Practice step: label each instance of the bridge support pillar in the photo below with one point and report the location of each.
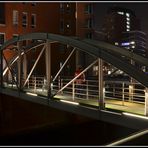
(48, 67)
(146, 101)
(101, 84)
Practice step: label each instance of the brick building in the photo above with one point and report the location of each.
(70, 19)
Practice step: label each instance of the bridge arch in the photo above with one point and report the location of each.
(89, 48)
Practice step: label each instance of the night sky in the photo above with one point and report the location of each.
(140, 9)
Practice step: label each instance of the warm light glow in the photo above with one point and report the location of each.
(32, 94)
(133, 115)
(133, 42)
(109, 72)
(75, 103)
(116, 43)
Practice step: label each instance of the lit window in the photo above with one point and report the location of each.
(133, 46)
(15, 17)
(132, 42)
(127, 29)
(125, 44)
(127, 26)
(128, 23)
(127, 14)
(33, 20)
(128, 19)
(2, 38)
(116, 43)
(121, 13)
(24, 19)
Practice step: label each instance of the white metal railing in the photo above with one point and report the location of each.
(122, 91)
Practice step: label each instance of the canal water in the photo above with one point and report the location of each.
(90, 133)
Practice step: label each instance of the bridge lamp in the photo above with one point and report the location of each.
(74, 103)
(32, 94)
(133, 115)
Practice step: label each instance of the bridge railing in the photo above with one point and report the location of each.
(123, 91)
(115, 92)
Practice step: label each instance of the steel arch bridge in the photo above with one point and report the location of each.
(100, 51)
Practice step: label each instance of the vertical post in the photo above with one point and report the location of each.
(100, 82)
(35, 84)
(48, 67)
(1, 68)
(73, 90)
(19, 66)
(25, 66)
(87, 89)
(123, 93)
(131, 92)
(61, 85)
(146, 101)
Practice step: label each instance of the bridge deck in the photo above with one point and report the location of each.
(113, 104)
(110, 104)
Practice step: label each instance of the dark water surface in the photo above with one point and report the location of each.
(89, 133)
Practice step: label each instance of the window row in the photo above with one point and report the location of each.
(24, 19)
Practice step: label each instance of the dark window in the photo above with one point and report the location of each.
(62, 7)
(89, 35)
(33, 20)
(2, 13)
(88, 23)
(61, 25)
(24, 43)
(33, 4)
(15, 36)
(2, 38)
(88, 9)
(68, 8)
(24, 19)
(62, 48)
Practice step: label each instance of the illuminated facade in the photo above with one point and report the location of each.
(118, 20)
(122, 28)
